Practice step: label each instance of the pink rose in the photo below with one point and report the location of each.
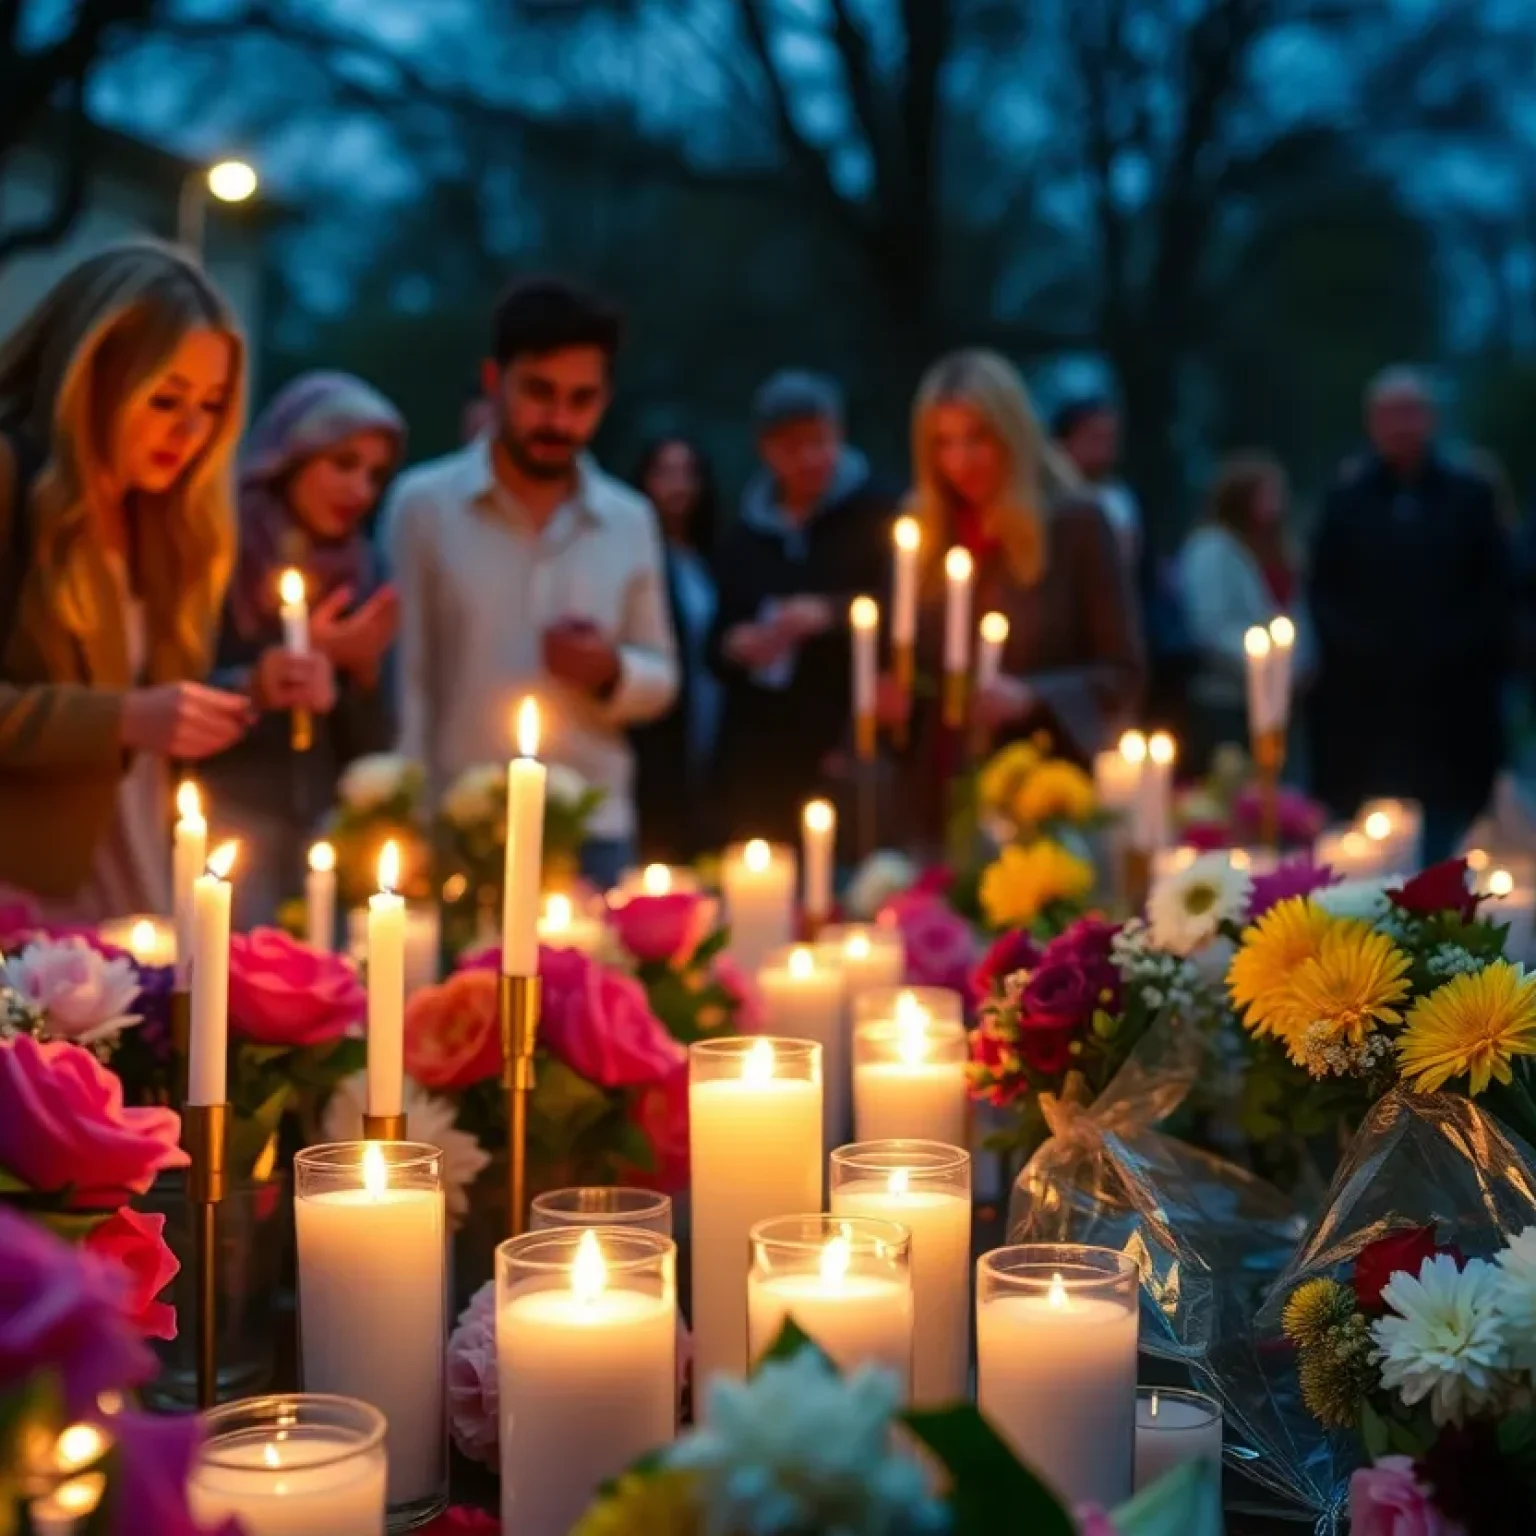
(941, 949)
(62, 1311)
(282, 992)
(452, 1034)
(1387, 1500)
(659, 929)
(155, 1456)
(486, 958)
(63, 1125)
(473, 1395)
(600, 1024)
(751, 1011)
(136, 1242)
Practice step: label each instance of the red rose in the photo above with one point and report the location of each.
(600, 1024)
(661, 1112)
(282, 992)
(452, 1034)
(1011, 952)
(1440, 888)
(136, 1243)
(1401, 1252)
(661, 928)
(1045, 1047)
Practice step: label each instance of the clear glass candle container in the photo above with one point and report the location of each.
(372, 1233)
(1174, 1426)
(924, 1186)
(292, 1464)
(909, 1058)
(586, 1342)
(602, 1206)
(845, 1280)
(1056, 1328)
(870, 954)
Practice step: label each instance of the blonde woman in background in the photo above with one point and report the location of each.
(120, 406)
(1044, 556)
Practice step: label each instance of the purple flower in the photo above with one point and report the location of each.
(1296, 877)
(149, 1492)
(156, 983)
(941, 949)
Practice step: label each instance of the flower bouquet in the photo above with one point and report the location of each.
(1226, 809)
(379, 798)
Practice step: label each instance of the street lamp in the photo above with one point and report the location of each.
(230, 181)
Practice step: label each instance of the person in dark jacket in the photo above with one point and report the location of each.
(813, 533)
(675, 755)
(1410, 596)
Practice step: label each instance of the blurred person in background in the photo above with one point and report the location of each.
(311, 476)
(121, 402)
(675, 754)
(1045, 557)
(1410, 596)
(813, 533)
(1087, 431)
(523, 569)
(1235, 572)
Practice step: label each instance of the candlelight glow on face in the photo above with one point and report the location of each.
(221, 861)
(757, 1064)
(528, 728)
(189, 804)
(322, 858)
(389, 866)
(290, 587)
(757, 856)
(864, 613)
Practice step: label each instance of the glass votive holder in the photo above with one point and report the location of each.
(566, 923)
(845, 1280)
(371, 1225)
(925, 1186)
(292, 1463)
(601, 1205)
(870, 955)
(803, 1000)
(909, 1064)
(1056, 1328)
(586, 1341)
(1174, 1426)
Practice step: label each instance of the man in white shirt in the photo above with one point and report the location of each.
(523, 569)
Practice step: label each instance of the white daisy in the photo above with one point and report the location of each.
(1517, 1297)
(1187, 906)
(428, 1119)
(1446, 1342)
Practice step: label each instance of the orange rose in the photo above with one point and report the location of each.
(452, 1039)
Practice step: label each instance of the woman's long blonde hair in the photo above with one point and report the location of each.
(105, 332)
(1036, 476)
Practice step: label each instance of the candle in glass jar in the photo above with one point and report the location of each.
(819, 837)
(526, 780)
(150, 940)
(958, 570)
(909, 1073)
(1172, 1427)
(561, 926)
(208, 1043)
(586, 1325)
(320, 898)
(871, 957)
(386, 989)
(189, 854)
(754, 1133)
(803, 1000)
(758, 879)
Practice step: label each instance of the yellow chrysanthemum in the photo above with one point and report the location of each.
(1055, 791)
(1353, 984)
(1022, 881)
(645, 1504)
(1003, 773)
(1314, 1307)
(1289, 934)
(1472, 1026)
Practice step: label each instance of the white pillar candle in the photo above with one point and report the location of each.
(845, 1281)
(386, 989)
(818, 824)
(754, 1134)
(1282, 639)
(1398, 825)
(909, 1072)
(803, 1000)
(864, 627)
(320, 898)
(294, 612)
(208, 1047)
(1056, 1364)
(586, 1340)
(1116, 773)
(907, 538)
(372, 1254)
(758, 879)
(423, 942)
(989, 652)
(958, 571)
(1259, 654)
(189, 854)
(926, 1188)
(871, 956)
(561, 926)
(292, 1466)
(150, 940)
(526, 778)
(1173, 1427)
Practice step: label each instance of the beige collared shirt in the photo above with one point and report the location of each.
(478, 587)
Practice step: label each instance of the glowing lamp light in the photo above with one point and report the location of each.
(141, 940)
(1500, 883)
(802, 962)
(232, 181)
(857, 946)
(322, 858)
(818, 816)
(221, 862)
(78, 1446)
(1378, 826)
(528, 728)
(558, 912)
(1160, 748)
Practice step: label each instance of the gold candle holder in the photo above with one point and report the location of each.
(864, 731)
(519, 1003)
(301, 730)
(181, 1039)
(1269, 759)
(384, 1128)
(1138, 877)
(904, 668)
(955, 700)
(205, 1138)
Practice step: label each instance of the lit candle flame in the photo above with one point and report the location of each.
(899, 1182)
(1282, 632)
(819, 816)
(269, 1455)
(1500, 883)
(589, 1273)
(189, 804)
(375, 1170)
(78, 1446)
(958, 565)
(1056, 1297)
(864, 613)
(1477, 859)
(757, 1064)
(911, 1030)
(322, 858)
(994, 628)
(557, 912)
(290, 587)
(221, 861)
(80, 1495)
(141, 940)
(757, 855)
(1133, 747)
(389, 866)
(857, 946)
(907, 534)
(836, 1256)
(656, 880)
(1256, 643)
(528, 728)
(802, 962)
(1160, 748)
(1378, 826)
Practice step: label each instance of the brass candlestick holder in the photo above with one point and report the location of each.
(1269, 759)
(384, 1128)
(301, 730)
(205, 1137)
(955, 700)
(904, 669)
(181, 1044)
(519, 1003)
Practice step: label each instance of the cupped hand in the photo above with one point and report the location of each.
(184, 720)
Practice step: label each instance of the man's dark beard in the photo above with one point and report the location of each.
(540, 469)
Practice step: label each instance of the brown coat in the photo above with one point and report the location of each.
(61, 704)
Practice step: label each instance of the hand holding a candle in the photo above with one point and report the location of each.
(284, 681)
